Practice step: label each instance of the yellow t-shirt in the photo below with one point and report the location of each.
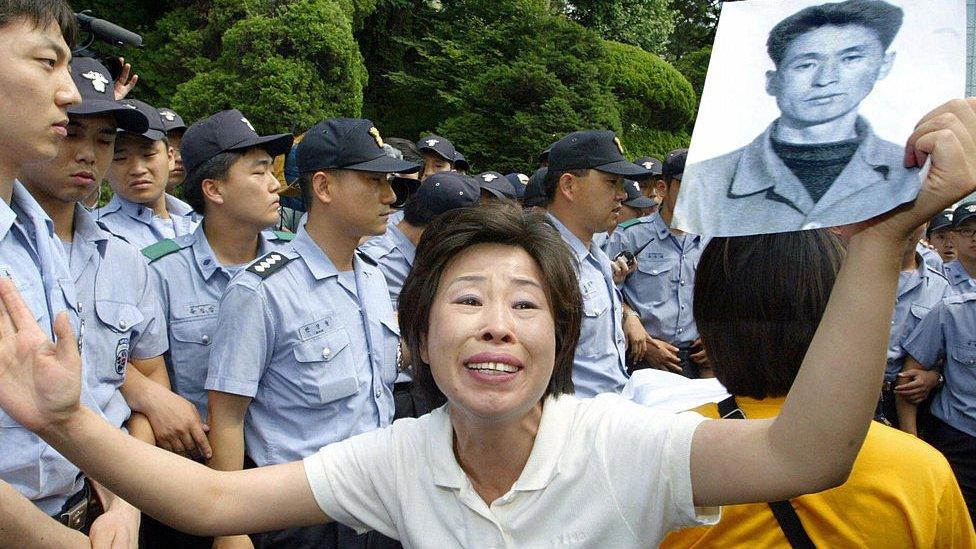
(901, 493)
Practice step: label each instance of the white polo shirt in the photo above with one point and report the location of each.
(604, 472)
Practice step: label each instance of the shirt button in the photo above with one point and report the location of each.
(682, 282)
(326, 353)
(206, 262)
(680, 330)
(123, 325)
(378, 393)
(653, 272)
(205, 339)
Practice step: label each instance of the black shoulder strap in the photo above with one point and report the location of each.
(789, 521)
(269, 264)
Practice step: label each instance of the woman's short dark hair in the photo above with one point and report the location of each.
(758, 301)
(498, 223)
(215, 168)
(40, 13)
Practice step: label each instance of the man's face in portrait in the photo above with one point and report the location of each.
(826, 73)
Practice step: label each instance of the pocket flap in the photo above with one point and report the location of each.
(323, 349)
(192, 332)
(121, 317)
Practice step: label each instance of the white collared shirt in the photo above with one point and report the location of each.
(604, 472)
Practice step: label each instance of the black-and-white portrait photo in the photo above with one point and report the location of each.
(806, 109)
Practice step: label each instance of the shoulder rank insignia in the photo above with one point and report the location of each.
(284, 236)
(630, 223)
(366, 259)
(269, 264)
(161, 249)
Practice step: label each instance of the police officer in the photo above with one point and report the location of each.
(535, 193)
(584, 189)
(519, 181)
(496, 185)
(306, 346)
(439, 155)
(175, 127)
(920, 287)
(937, 233)
(648, 185)
(661, 331)
(947, 334)
(230, 181)
(140, 211)
(961, 270)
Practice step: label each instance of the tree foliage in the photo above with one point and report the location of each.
(648, 24)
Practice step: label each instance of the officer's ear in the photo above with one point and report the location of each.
(170, 159)
(567, 186)
(212, 190)
(322, 186)
(772, 83)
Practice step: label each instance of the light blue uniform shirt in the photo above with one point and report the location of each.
(959, 280)
(119, 308)
(31, 255)
(918, 292)
(930, 256)
(949, 332)
(394, 254)
(316, 349)
(661, 289)
(598, 366)
(190, 282)
(140, 226)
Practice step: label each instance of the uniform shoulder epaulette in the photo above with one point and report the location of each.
(161, 249)
(269, 264)
(960, 298)
(366, 259)
(284, 236)
(631, 222)
(937, 272)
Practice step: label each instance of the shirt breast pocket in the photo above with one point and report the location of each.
(117, 322)
(964, 355)
(654, 286)
(190, 350)
(326, 369)
(19, 460)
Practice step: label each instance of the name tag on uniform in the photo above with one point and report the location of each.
(314, 329)
(202, 309)
(654, 256)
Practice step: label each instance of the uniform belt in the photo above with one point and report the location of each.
(888, 386)
(74, 513)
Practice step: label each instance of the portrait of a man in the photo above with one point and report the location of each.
(820, 162)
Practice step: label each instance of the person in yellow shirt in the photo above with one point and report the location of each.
(758, 301)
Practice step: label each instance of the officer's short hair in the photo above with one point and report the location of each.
(552, 181)
(503, 223)
(759, 300)
(41, 13)
(214, 168)
(878, 16)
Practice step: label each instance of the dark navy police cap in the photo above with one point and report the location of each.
(535, 194)
(544, 155)
(94, 83)
(636, 199)
(226, 131)
(519, 181)
(439, 146)
(460, 162)
(674, 164)
(963, 212)
(593, 150)
(497, 184)
(445, 191)
(942, 220)
(172, 120)
(650, 163)
(156, 130)
(347, 144)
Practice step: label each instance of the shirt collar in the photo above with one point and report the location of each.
(575, 243)
(203, 254)
(543, 464)
(403, 243)
(138, 212)
(85, 226)
(35, 214)
(175, 206)
(318, 263)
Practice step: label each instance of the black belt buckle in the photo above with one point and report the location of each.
(76, 516)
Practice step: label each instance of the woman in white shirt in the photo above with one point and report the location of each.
(511, 460)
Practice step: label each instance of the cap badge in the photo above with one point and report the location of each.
(130, 106)
(489, 177)
(636, 185)
(98, 80)
(620, 146)
(648, 165)
(524, 179)
(248, 123)
(168, 115)
(432, 142)
(971, 208)
(948, 216)
(376, 135)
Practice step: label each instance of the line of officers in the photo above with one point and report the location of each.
(206, 333)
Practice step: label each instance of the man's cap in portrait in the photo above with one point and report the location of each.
(593, 150)
(963, 212)
(227, 131)
(172, 120)
(942, 220)
(347, 144)
(880, 17)
(460, 162)
(674, 164)
(535, 192)
(445, 191)
(635, 198)
(156, 130)
(94, 83)
(650, 163)
(437, 145)
(497, 184)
